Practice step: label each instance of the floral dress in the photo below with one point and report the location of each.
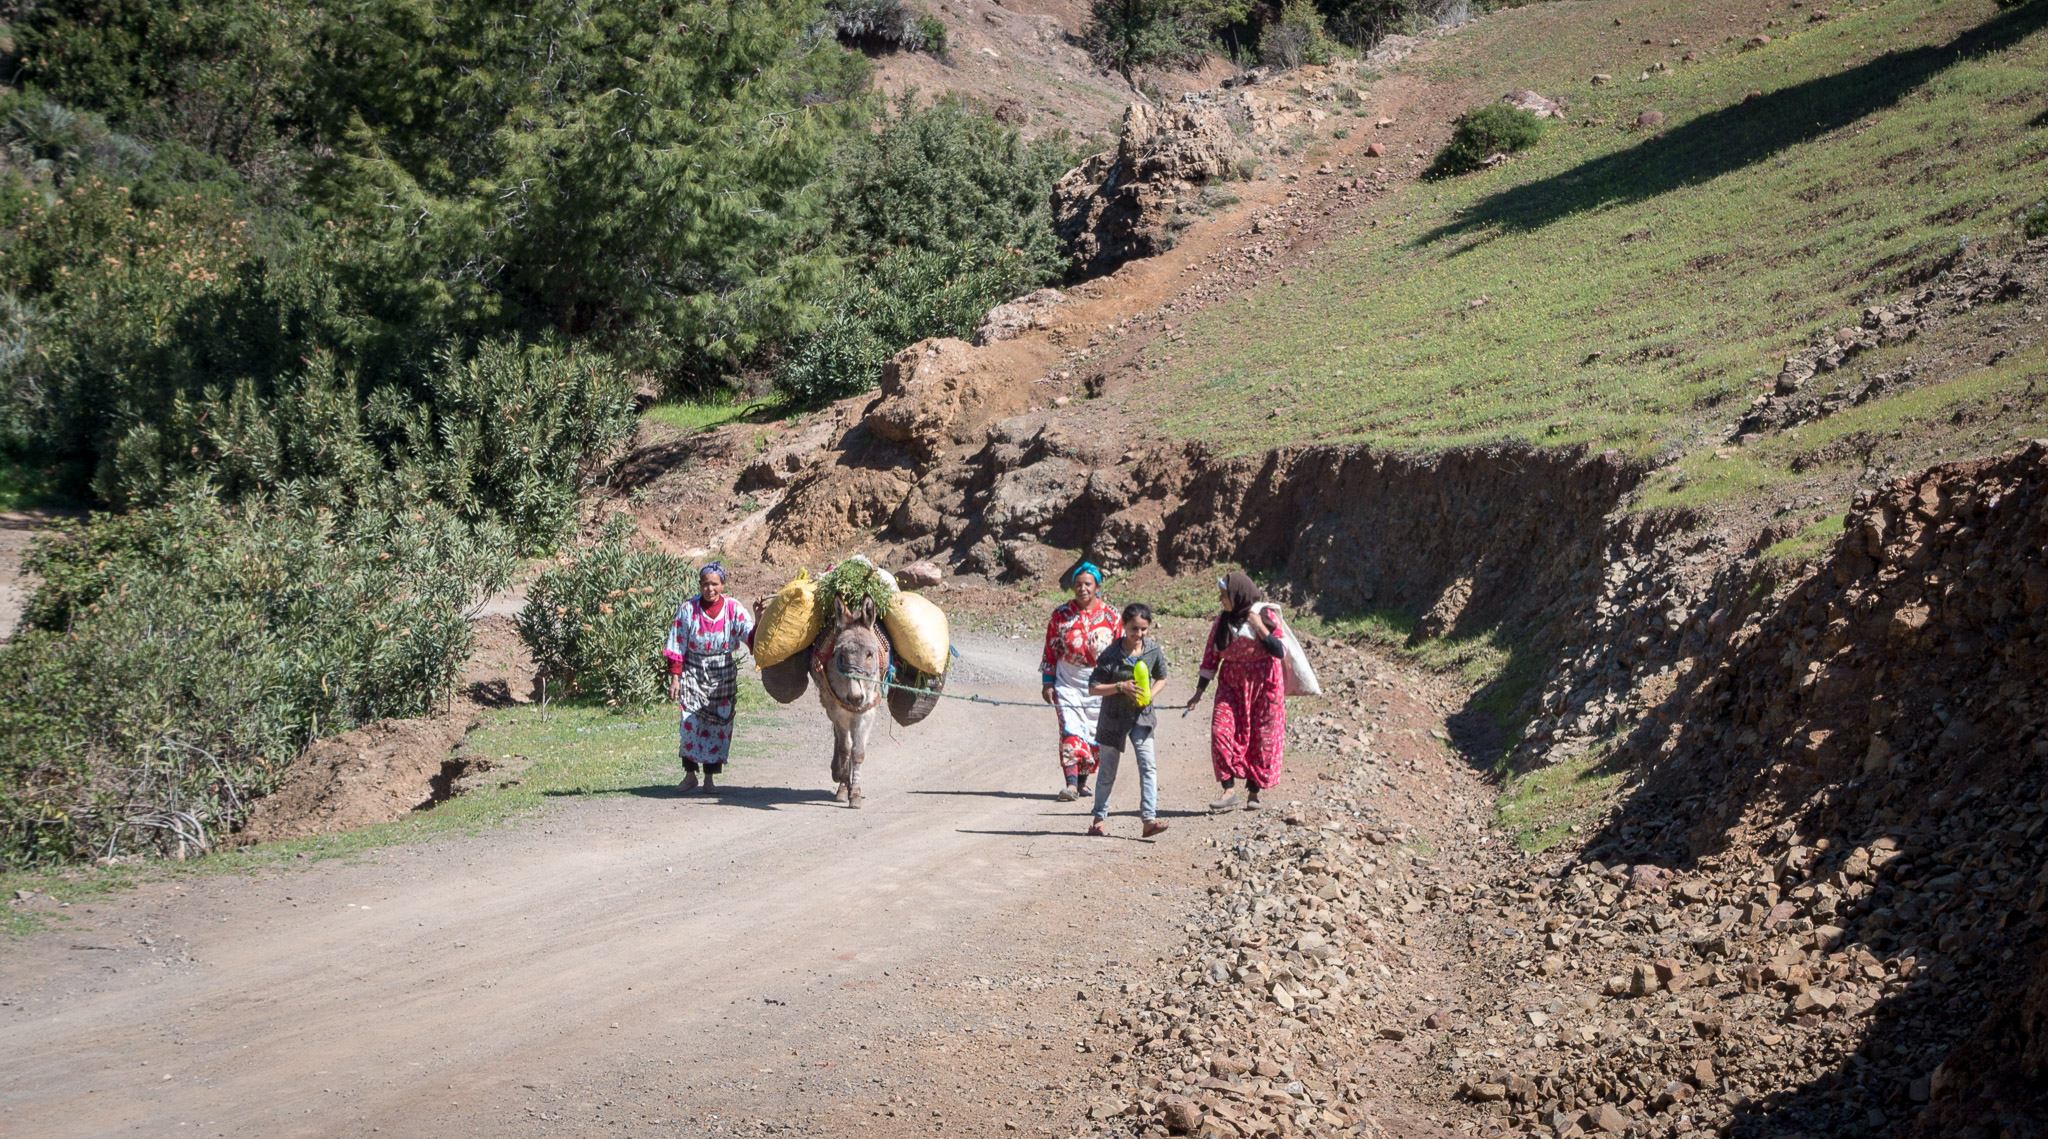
(1073, 639)
(700, 649)
(1248, 729)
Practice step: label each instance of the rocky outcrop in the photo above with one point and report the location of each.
(1793, 400)
(1014, 318)
(829, 506)
(936, 393)
(1121, 205)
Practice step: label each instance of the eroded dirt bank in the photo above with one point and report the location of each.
(1817, 907)
(1815, 902)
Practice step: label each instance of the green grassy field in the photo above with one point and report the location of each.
(577, 751)
(1634, 287)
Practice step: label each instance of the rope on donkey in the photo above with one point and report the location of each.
(972, 698)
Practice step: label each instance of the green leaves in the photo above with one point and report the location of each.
(176, 660)
(944, 213)
(595, 623)
(1482, 133)
(647, 175)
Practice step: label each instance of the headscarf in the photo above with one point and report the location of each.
(1081, 567)
(719, 569)
(1244, 593)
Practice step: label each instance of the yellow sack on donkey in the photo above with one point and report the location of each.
(790, 621)
(917, 631)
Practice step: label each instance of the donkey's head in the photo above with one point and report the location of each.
(859, 660)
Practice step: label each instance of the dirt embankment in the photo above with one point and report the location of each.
(1818, 904)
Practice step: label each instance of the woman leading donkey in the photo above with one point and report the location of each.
(703, 676)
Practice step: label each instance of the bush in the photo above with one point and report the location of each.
(595, 623)
(945, 213)
(174, 662)
(1480, 134)
(931, 34)
(886, 25)
(1124, 35)
(2034, 220)
(154, 347)
(1297, 38)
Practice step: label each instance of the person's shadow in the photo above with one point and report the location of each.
(758, 798)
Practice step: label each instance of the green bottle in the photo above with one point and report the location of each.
(1141, 678)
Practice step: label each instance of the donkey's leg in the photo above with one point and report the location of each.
(841, 750)
(861, 725)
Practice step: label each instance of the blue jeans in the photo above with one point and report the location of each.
(1148, 775)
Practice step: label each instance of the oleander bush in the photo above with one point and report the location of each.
(595, 622)
(175, 660)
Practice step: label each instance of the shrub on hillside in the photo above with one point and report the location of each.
(1125, 35)
(1297, 38)
(945, 213)
(595, 622)
(156, 347)
(175, 660)
(1495, 129)
(886, 25)
(2034, 220)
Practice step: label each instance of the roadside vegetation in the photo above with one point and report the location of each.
(330, 314)
(574, 749)
(1127, 36)
(1634, 286)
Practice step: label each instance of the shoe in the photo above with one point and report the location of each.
(1096, 830)
(1227, 803)
(1252, 803)
(1155, 827)
(1068, 794)
(1081, 788)
(688, 784)
(709, 787)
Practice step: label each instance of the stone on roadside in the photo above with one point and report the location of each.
(920, 575)
(1606, 1118)
(1181, 1115)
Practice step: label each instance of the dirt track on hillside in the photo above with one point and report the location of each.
(645, 963)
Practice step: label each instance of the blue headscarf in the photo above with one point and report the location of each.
(1081, 567)
(711, 567)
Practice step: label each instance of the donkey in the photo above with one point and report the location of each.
(852, 662)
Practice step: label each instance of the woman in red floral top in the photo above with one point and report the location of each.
(1078, 632)
(1248, 730)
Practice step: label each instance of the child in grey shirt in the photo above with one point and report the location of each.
(1122, 718)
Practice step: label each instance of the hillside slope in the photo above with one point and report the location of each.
(1632, 429)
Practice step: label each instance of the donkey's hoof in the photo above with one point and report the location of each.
(839, 792)
(853, 798)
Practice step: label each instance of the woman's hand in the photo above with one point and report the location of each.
(675, 688)
(1257, 626)
(1045, 693)
(1128, 688)
(1195, 698)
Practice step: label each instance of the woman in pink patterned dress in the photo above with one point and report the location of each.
(703, 677)
(1248, 729)
(1078, 632)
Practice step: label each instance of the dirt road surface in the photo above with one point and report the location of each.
(638, 964)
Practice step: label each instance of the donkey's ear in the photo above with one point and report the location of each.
(845, 614)
(867, 612)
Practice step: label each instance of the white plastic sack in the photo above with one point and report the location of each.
(1299, 677)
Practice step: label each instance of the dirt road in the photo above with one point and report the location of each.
(633, 964)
